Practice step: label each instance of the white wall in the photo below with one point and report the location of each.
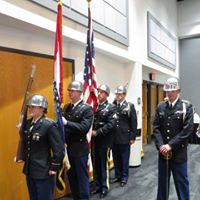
(188, 18)
(165, 12)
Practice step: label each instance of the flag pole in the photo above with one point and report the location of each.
(90, 57)
(88, 2)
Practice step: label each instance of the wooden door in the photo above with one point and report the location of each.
(15, 68)
(160, 93)
(154, 97)
(144, 113)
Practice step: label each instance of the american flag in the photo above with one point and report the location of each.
(58, 96)
(60, 182)
(58, 111)
(90, 83)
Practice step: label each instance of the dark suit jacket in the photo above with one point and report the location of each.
(170, 128)
(104, 123)
(44, 148)
(126, 123)
(79, 122)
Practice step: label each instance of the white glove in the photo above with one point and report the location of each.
(64, 121)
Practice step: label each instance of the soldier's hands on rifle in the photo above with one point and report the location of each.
(18, 161)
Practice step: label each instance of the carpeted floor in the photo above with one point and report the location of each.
(142, 182)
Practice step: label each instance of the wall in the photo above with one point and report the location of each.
(160, 9)
(189, 32)
(189, 71)
(188, 18)
(137, 50)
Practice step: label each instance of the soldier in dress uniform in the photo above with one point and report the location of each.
(43, 150)
(102, 134)
(173, 125)
(124, 135)
(77, 119)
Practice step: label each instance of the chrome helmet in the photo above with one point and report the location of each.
(76, 85)
(172, 84)
(105, 88)
(120, 90)
(38, 100)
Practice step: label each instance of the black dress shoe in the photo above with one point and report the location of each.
(115, 180)
(123, 183)
(103, 194)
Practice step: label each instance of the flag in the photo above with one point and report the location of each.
(60, 182)
(90, 84)
(58, 66)
(58, 96)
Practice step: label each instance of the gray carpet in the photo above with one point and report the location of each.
(142, 182)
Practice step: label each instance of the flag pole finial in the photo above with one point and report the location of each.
(88, 2)
(59, 2)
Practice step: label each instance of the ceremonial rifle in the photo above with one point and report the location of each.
(20, 156)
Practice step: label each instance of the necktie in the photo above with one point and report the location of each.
(170, 106)
(72, 106)
(31, 126)
(118, 105)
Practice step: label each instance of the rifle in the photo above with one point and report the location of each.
(20, 156)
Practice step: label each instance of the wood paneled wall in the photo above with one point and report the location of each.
(15, 69)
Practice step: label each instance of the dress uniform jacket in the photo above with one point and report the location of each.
(126, 123)
(43, 146)
(173, 127)
(79, 121)
(104, 122)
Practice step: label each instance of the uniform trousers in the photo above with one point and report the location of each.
(180, 175)
(78, 177)
(40, 189)
(101, 168)
(121, 154)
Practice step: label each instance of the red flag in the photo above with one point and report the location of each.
(58, 97)
(90, 84)
(58, 66)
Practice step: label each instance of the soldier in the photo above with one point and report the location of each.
(104, 122)
(173, 125)
(77, 119)
(43, 147)
(124, 135)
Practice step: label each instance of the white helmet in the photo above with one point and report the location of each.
(172, 84)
